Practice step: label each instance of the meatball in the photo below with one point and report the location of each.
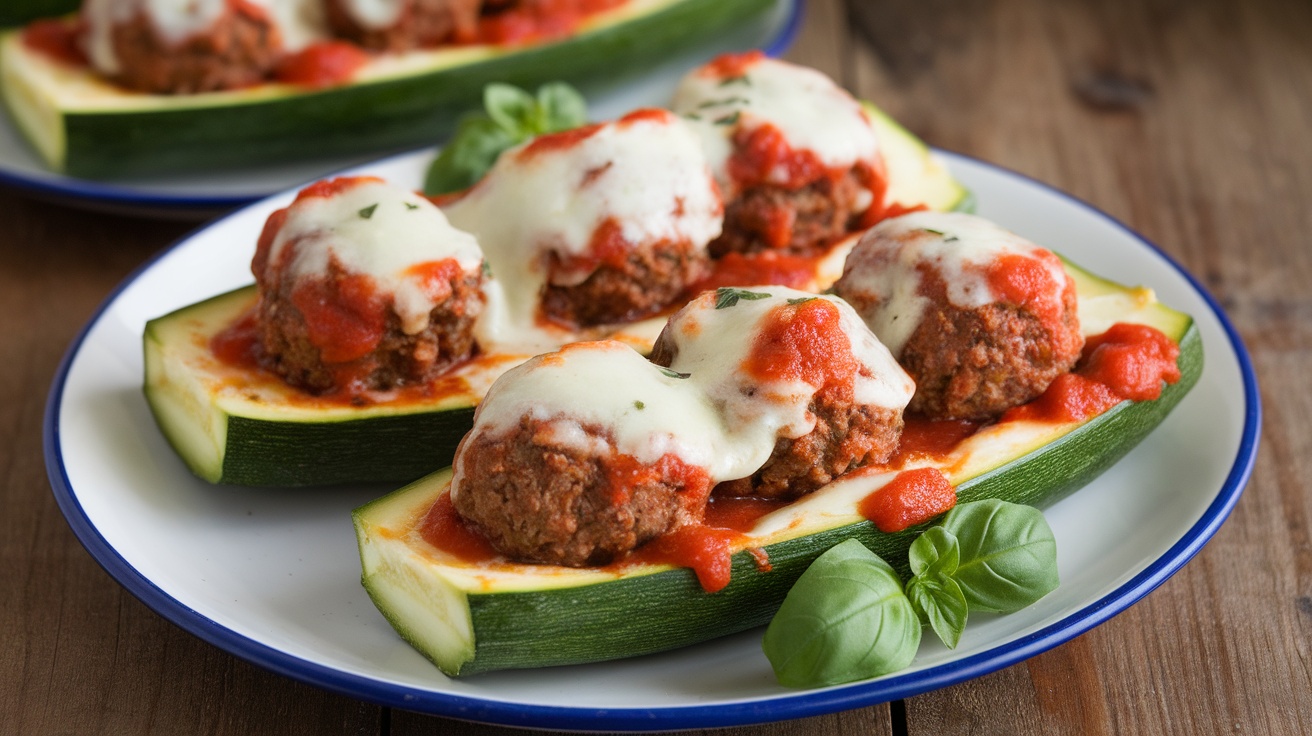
(404, 24)
(365, 287)
(982, 319)
(599, 225)
(795, 156)
(202, 47)
(580, 456)
(798, 375)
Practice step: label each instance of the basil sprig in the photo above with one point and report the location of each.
(844, 618)
(511, 117)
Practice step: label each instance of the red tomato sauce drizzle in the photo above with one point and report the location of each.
(322, 64)
(56, 38)
(911, 497)
(445, 529)
(539, 21)
(803, 342)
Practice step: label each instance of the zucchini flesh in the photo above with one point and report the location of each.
(86, 127)
(503, 615)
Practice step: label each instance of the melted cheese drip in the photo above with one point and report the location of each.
(374, 14)
(714, 416)
(812, 112)
(647, 174)
(882, 279)
(300, 23)
(401, 229)
(712, 345)
(609, 385)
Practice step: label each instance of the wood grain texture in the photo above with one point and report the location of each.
(1190, 121)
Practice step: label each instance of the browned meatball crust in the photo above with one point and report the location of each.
(650, 278)
(398, 359)
(770, 217)
(423, 24)
(239, 50)
(977, 363)
(537, 501)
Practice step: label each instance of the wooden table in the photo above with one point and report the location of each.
(1190, 121)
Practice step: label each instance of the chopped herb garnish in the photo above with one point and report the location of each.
(726, 101)
(368, 212)
(639, 405)
(801, 300)
(692, 116)
(486, 268)
(946, 238)
(740, 79)
(726, 296)
(411, 206)
(730, 119)
(673, 374)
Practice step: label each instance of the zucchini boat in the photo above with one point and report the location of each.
(84, 126)
(470, 617)
(247, 427)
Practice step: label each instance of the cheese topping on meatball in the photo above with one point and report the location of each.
(883, 274)
(649, 410)
(374, 13)
(544, 211)
(737, 94)
(762, 378)
(375, 229)
(300, 22)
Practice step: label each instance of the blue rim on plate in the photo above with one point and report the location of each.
(158, 201)
(737, 713)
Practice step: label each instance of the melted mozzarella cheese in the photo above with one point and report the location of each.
(812, 113)
(647, 174)
(300, 22)
(713, 343)
(374, 14)
(379, 230)
(646, 412)
(882, 275)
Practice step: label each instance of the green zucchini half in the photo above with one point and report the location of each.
(86, 127)
(470, 618)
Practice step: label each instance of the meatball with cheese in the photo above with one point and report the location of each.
(602, 224)
(795, 156)
(981, 318)
(364, 286)
(806, 392)
(172, 47)
(579, 456)
(401, 25)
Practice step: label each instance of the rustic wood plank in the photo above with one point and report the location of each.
(1189, 122)
(79, 654)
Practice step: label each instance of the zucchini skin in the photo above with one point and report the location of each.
(644, 614)
(14, 12)
(384, 115)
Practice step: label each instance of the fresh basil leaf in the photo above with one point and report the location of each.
(469, 154)
(560, 107)
(1008, 554)
(936, 552)
(512, 108)
(727, 296)
(846, 618)
(939, 602)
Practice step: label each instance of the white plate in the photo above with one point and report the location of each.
(194, 196)
(273, 575)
